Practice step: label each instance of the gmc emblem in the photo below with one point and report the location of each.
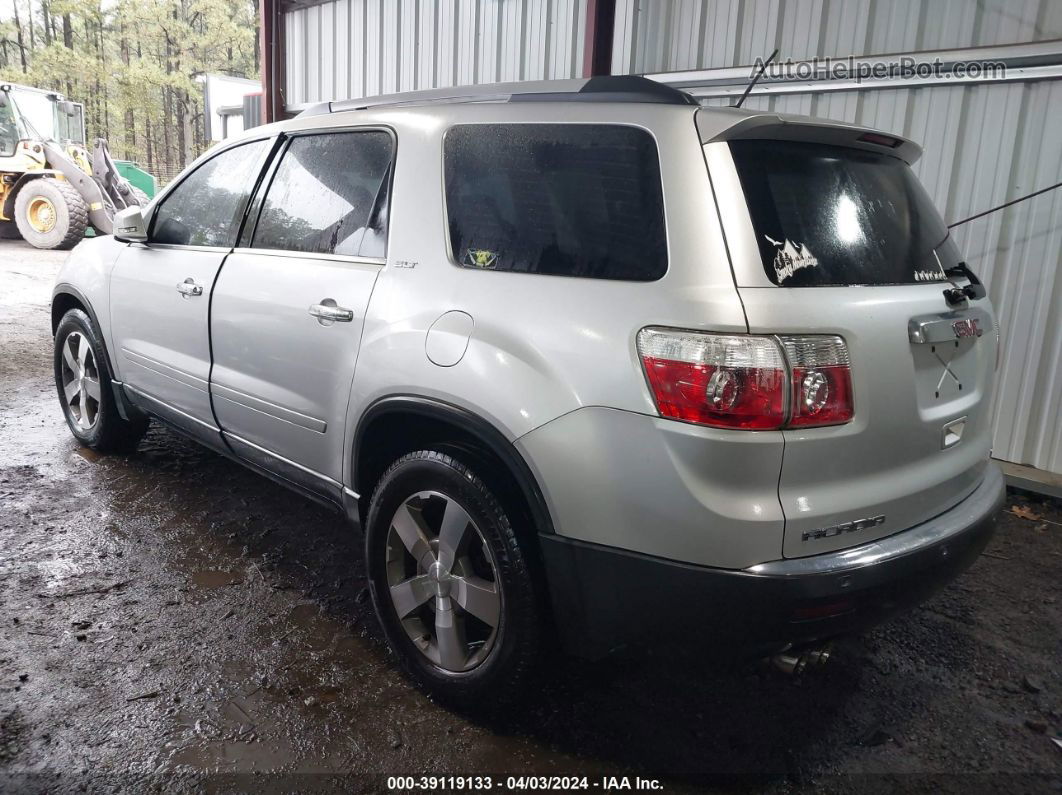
(967, 327)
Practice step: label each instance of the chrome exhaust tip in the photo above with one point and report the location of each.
(798, 661)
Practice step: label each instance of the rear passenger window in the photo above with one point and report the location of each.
(324, 196)
(557, 199)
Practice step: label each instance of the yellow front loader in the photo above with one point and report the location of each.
(51, 191)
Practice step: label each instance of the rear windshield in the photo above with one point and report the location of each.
(556, 199)
(830, 215)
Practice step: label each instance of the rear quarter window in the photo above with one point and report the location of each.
(832, 215)
(556, 199)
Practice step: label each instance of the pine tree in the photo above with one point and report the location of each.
(135, 65)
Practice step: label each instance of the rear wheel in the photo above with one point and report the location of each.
(50, 213)
(450, 581)
(85, 390)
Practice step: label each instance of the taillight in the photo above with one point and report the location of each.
(747, 382)
(723, 381)
(822, 381)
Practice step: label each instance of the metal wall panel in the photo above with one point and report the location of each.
(984, 145)
(677, 35)
(347, 49)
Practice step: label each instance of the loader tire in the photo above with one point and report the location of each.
(50, 213)
(8, 231)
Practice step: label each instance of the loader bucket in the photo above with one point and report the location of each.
(137, 177)
(100, 212)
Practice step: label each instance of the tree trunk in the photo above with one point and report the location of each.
(150, 151)
(189, 130)
(20, 41)
(179, 112)
(29, 24)
(129, 139)
(257, 38)
(101, 58)
(97, 115)
(199, 126)
(47, 23)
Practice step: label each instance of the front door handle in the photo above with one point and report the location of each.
(327, 313)
(189, 288)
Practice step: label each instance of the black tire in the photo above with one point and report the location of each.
(510, 659)
(9, 231)
(70, 213)
(102, 428)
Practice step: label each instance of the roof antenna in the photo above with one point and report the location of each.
(756, 79)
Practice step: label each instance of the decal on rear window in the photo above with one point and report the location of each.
(790, 257)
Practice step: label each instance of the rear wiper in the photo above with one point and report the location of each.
(972, 291)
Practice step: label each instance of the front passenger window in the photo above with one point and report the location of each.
(327, 196)
(206, 208)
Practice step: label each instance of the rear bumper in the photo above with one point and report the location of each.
(606, 598)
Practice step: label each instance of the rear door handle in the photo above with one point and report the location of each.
(328, 313)
(189, 288)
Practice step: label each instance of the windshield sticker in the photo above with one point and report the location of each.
(481, 258)
(790, 257)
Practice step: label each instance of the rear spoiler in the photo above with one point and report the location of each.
(728, 124)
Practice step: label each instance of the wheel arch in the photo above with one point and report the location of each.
(26, 177)
(66, 297)
(395, 425)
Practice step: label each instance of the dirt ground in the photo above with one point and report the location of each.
(168, 619)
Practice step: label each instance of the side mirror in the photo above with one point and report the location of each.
(129, 226)
(67, 108)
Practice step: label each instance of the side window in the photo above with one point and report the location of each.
(8, 128)
(558, 199)
(206, 208)
(343, 173)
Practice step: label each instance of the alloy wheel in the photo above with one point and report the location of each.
(443, 581)
(81, 381)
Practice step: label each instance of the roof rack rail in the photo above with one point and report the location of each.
(605, 88)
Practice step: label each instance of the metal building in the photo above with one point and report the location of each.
(989, 138)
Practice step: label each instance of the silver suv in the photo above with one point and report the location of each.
(583, 358)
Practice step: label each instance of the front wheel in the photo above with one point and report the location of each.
(450, 581)
(85, 391)
(50, 213)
